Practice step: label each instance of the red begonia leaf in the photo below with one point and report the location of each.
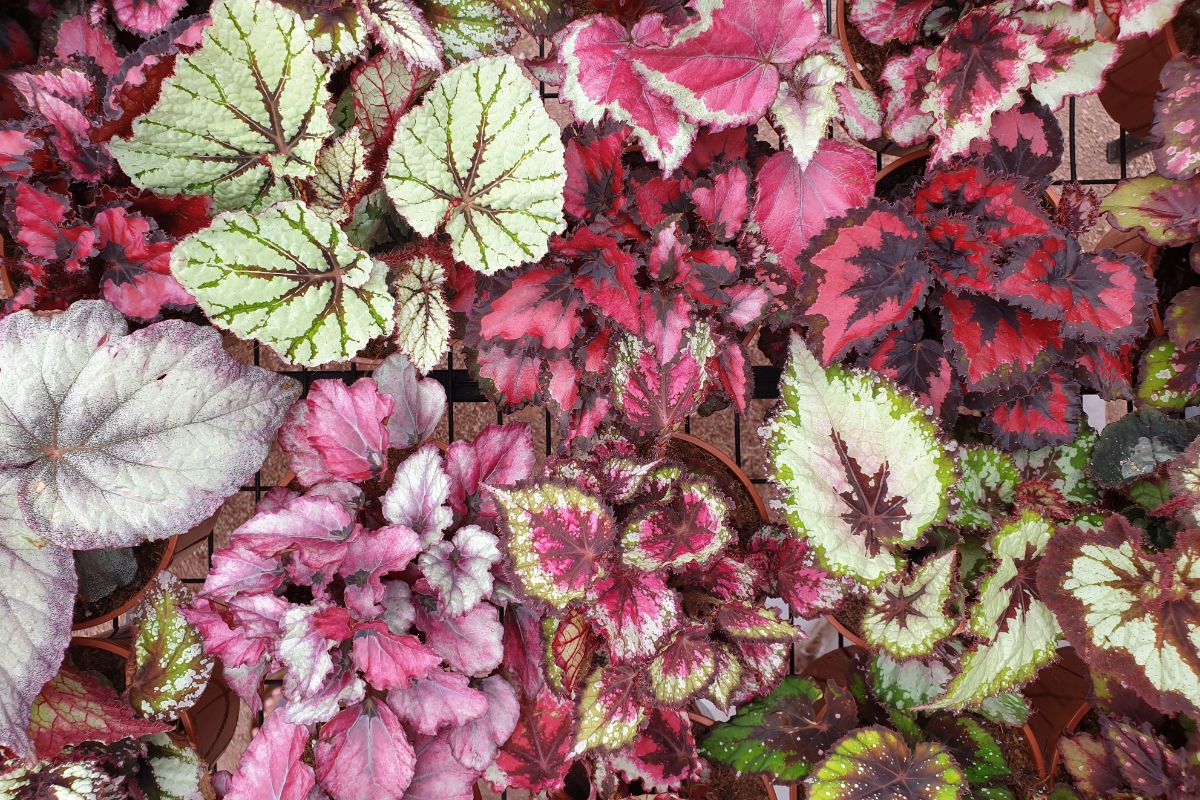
(571, 644)
(1107, 372)
(1005, 208)
(313, 528)
(664, 756)
(437, 774)
(881, 21)
(500, 455)
(524, 649)
(633, 612)
(792, 205)
(389, 661)
(338, 432)
(604, 274)
(63, 99)
(1078, 208)
(595, 172)
(539, 306)
(537, 756)
(657, 383)
(382, 89)
(867, 273)
(1045, 414)
(726, 578)
(78, 37)
(46, 226)
(511, 380)
(1025, 141)
(272, 768)
(657, 197)
(136, 258)
(961, 256)
(440, 699)
(364, 751)
(920, 365)
(76, 707)
(723, 201)
(22, 153)
(790, 569)
(995, 344)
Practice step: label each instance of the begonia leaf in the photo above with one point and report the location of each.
(337, 432)
(137, 265)
(880, 21)
(1074, 58)
(571, 644)
(500, 455)
(987, 486)
(438, 774)
(169, 668)
(874, 504)
(287, 277)
(610, 711)
(655, 388)
(146, 17)
(595, 172)
(402, 31)
(47, 227)
(684, 666)
(272, 768)
(664, 755)
(90, 411)
(417, 496)
(633, 612)
(364, 750)
(390, 661)
(418, 402)
(1175, 112)
(908, 616)
(1136, 445)
(381, 89)
(422, 316)
(876, 764)
(263, 92)
(310, 634)
(1162, 210)
(492, 174)
(460, 569)
(690, 531)
(994, 343)
(469, 643)
(1041, 414)
(75, 707)
(470, 28)
(537, 756)
(1025, 140)
(475, 744)
(904, 79)
(438, 700)
(920, 365)
(1137, 17)
(342, 176)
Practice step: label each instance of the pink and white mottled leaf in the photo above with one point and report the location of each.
(309, 635)
(610, 709)
(370, 555)
(315, 528)
(658, 383)
(882, 21)
(633, 612)
(500, 455)
(272, 768)
(1177, 118)
(1075, 59)
(146, 17)
(438, 700)
(690, 530)
(904, 79)
(684, 667)
(460, 570)
(362, 752)
(418, 494)
(417, 403)
(438, 774)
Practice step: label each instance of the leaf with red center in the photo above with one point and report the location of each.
(389, 661)
(46, 226)
(362, 751)
(905, 77)
(741, 619)
(656, 389)
(571, 644)
(995, 344)
(21, 153)
(785, 733)
(1128, 612)
(657, 197)
(1176, 111)
(537, 756)
(723, 68)
(382, 89)
(633, 612)
(691, 530)
(867, 273)
(1163, 211)
(1025, 141)
(417, 497)
(1046, 413)
(611, 711)
(881, 21)
(605, 275)
(793, 204)
(469, 643)
(920, 365)
(78, 38)
(499, 455)
(1005, 208)
(1100, 297)
(64, 97)
(910, 615)
(876, 764)
(600, 76)
(273, 767)
(541, 306)
(979, 68)
(684, 667)
(664, 755)
(313, 528)
(1108, 373)
(76, 707)
(722, 201)
(961, 256)
(595, 172)
(137, 265)
(338, 432)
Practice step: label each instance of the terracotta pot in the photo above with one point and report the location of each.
(1132, 82)
(197, 535)
(900, 163)
(846, 631)
(210, 723)
(163, 562)
(1057, 698)
(731, 466)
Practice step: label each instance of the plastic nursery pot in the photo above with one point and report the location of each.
(729, 477)
(1132, 82)
(209, 724)
(141, 552)
(1057, 700)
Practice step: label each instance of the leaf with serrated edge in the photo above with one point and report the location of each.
(241, 118)
(289, 278)
(422, 316)
(610, 712)
(988, 486)
(874, 421)
(876, 764)
(76, 707)
(490, 166)
(400, 27)
(341, 174)
(909, 616)
(170, 670)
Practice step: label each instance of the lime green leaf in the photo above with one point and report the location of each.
(289, 278)
(170, 669)
(481, 157)
(909, 616)
(903, 685)
(1063, 468)
(470, 28)
(876, 764)
(243, 116)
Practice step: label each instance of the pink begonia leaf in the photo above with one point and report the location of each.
(657, 384)
(600, 76)
(511, 379)
(730, 144)
(809, 101)
(604, 274)
(792, 205)
(724, 200)
(684, 667)
(60, 96)
(723, 69)
(399, 612)
(524, 649)
(1074, 59)
(438, 700)
(246, 681)
(904, 79)
(595, 172)
(663, 756)
(344, 426)
(633, 611)
(418, 403)
(236, 569)
(417, 497)
(881, 21)
(309, 634)
(371, 555)
(146, 17)
(470, 644)
(461, 570)
(500, 455)
(539, 306)
(45, 225)
(763, 666)
(273, 768)
(137, 265)
(389, 661)
(791, 571)
(76, 707)
(742, 620)
(726, 578)
(242, 632)
(343, 689)
(77, 36)
(475, 744)
(979, 68)
(312, 527)
(438, 774)
(1025, 141)
(537, 756)
(733, 369)
(690, 530)
(364, 752)
(1177, 118)
(22, 152)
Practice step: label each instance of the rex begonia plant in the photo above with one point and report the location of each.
(968, 291)
(650, 600)
(374, 591)
(109, 438)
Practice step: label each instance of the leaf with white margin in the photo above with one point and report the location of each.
(905, 684)
(119, 439)
(422, 316)
(909, 616)
(470, 28)
(400, 27)
(290, 278)
(1130, 613)
(242, 117)
(341, 174)
(37, 592)
(461, 570)
(859, 421)
(419, 402)
(1018, 632)
(481, 158)
(1075, 58)
(170, 669)
(417, 497)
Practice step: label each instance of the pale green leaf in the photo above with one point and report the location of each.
(908, 616)
(243, 116)
(422, 316)
(341, 174)
(481, 157)
(401, 28)
(987, 488)
(470, 28)
(289, 278)
(170, 669)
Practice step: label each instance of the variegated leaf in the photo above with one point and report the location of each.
(422, 316)
(170, 669)
(909, 616)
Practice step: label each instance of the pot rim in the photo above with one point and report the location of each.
(163, 562)
(759, 504)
